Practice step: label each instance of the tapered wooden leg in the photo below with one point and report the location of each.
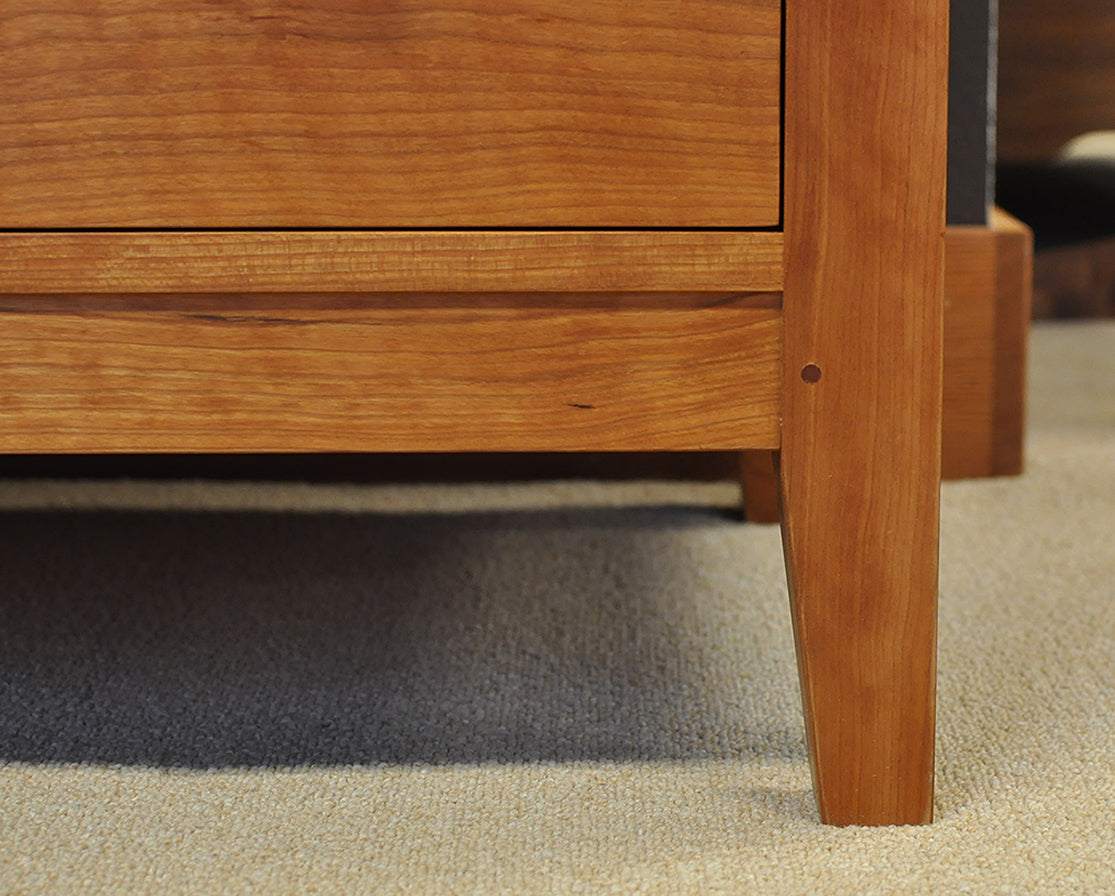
(864, 610)
(860, 461)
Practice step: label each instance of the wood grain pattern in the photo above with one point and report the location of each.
(416, 261)
(408, 113)
(389, 373)
(987, 314)
(861, 446)
(988, 273)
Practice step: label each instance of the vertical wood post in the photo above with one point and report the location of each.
(859, 468)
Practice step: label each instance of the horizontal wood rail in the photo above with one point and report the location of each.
(448, 372)
(386, 261)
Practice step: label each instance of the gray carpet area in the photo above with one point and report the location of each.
(538, 688)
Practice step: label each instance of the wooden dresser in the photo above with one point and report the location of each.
(505, 225)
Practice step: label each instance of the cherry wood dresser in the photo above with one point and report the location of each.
(506, 225)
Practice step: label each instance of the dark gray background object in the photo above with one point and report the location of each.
(972, 110)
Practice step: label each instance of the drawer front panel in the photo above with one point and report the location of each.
(389, 113)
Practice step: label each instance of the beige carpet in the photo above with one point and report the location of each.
(562, 688)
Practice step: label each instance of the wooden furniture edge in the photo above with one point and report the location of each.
(449, 372)
(987, 312)
(860, 463)
(386, 261)
(988, 290)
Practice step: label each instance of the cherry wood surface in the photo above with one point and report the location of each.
(180, 123)
(345, 113)
(861, 443)
(988, 276)
(472, 372)
(413, 261)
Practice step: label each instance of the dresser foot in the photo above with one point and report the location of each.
(759, 488)
(865, 632)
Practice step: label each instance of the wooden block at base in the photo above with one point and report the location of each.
(988, 277)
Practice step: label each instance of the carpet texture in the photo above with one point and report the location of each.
(540, 688)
